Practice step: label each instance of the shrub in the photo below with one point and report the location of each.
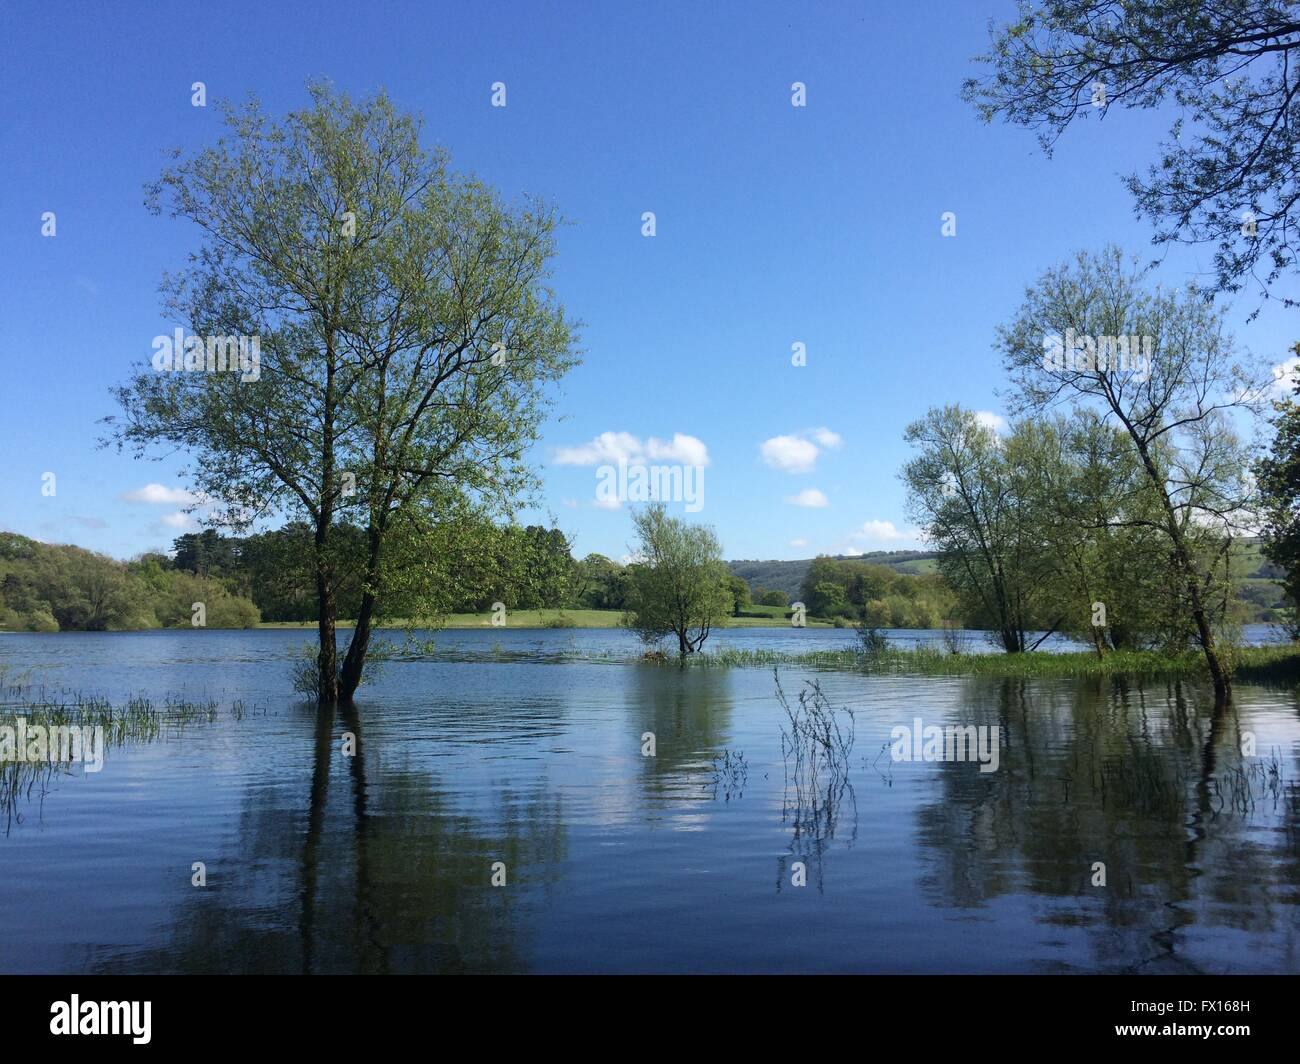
(871, 640)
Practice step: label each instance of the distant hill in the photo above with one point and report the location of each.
(1259, 580)
(787, 576)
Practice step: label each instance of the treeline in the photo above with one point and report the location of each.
(58, 588)
(524, 568)
(468, 570)
(1056, 526)
(789, 576)
(877, 595)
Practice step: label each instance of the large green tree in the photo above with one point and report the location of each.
(1107, 573)
(1176, 405)
(678, 582)
(972, 496)
(407, 338)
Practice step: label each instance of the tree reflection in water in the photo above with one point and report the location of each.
(1150, 781)
(390, 874)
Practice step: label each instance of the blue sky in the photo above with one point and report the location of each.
(776, 225)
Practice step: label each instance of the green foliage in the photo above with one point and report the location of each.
(852, 589)
(970, 494)
(59, 588)
(871, 640)
(600, 583)
(408, 342)
(679, 584)
(1279, 481)
(738, 589)
(789, 576)
(1226, 174)
(1175, 409)
(472, 563)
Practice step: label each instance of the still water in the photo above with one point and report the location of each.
(523, 751)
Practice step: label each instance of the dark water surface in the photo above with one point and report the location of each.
(525, 748)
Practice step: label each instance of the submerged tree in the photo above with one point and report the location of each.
(970, 497)
(406, 337)
(1226, 175)
(678, 585)
(1158, 365)
(1108, 575)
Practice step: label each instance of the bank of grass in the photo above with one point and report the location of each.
(1253, 664)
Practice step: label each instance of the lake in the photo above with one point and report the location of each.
(521, 755)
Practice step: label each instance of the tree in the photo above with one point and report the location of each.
(207, 553)
(600, 583)
(972, 499)
(1175, 405)
(1227, 173)
(1279, 483)
(406, 338)
(1109, 577)
(541, 567)
(738, 589)
(826, 598)
(679, 582)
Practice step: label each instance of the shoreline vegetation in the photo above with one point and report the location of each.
(1263, 664)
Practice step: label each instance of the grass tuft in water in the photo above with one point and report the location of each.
(1254, 664)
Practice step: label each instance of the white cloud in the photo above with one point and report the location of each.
(160, 495)
(798, 451)
(881, 530)
(809, 497)
(179, 519)
(826, 438)
(789, 454)
(609, 448)
(990, 420)
(800, 542)
(1284, 377)
(607, 502)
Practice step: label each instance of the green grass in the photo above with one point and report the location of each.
(1254, 664)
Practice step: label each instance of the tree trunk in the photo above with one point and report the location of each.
(355, 661)
(1205, 633)
(326, 606)
(326, 618)
(1219, 674)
